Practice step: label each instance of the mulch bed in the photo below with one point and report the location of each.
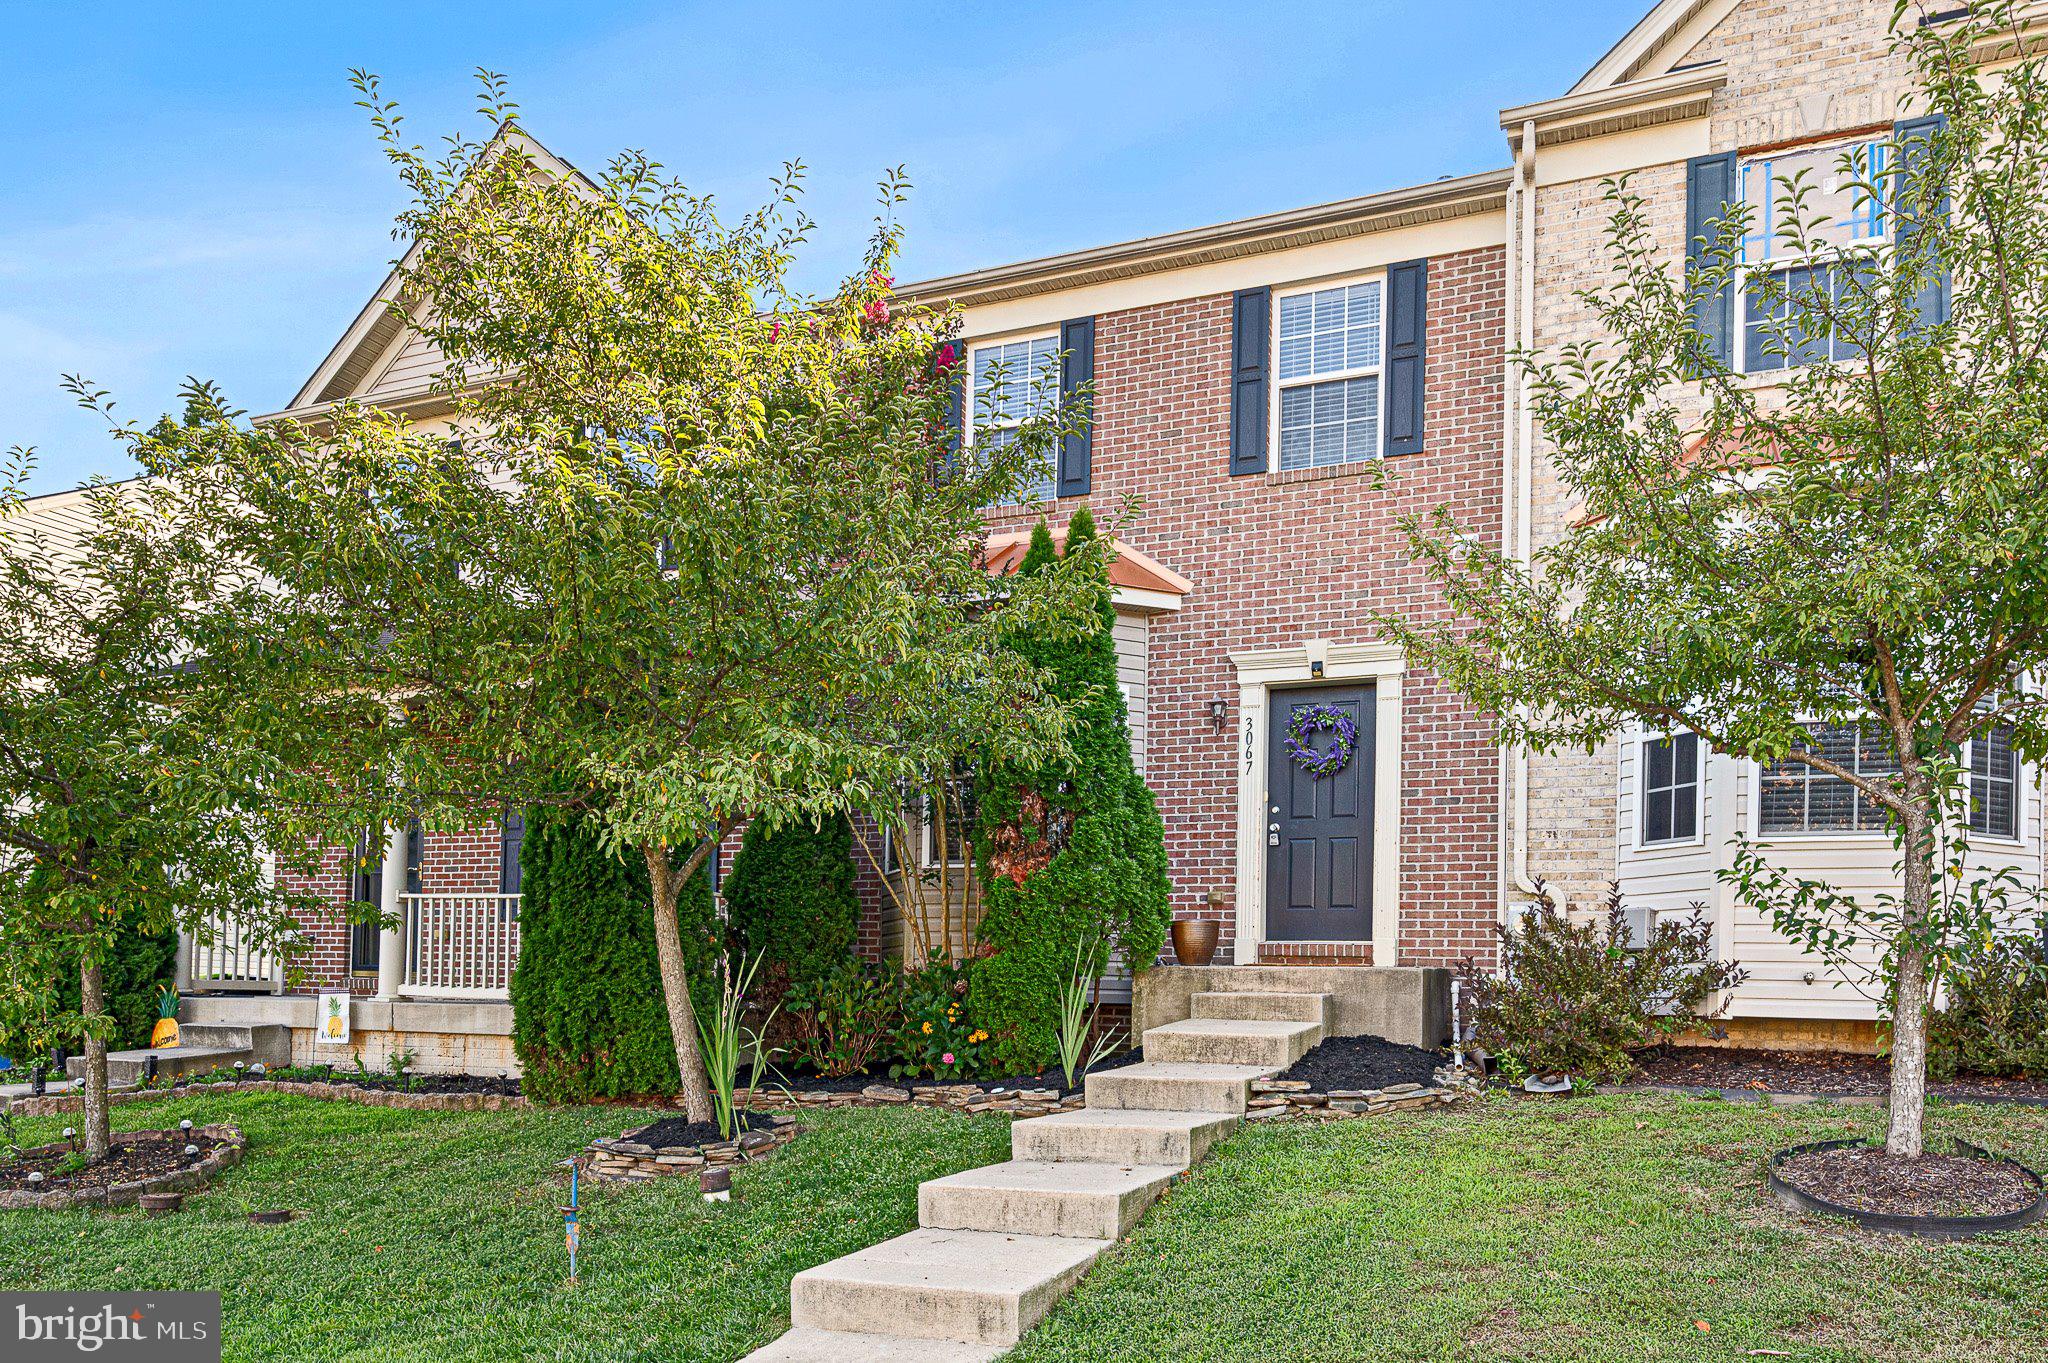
(801, 1081)
(1731, 1069)
(671, 1132)
(1870, 1180)
(1364, 1062)
(496, 1084)
(127, 1161)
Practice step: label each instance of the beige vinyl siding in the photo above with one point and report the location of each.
(1131, 637)
(1670, 878)
(415, 364)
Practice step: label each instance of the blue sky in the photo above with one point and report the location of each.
(192, 190)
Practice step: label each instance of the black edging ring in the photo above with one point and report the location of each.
(1926, 1227)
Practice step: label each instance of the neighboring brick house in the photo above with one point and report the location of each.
(1277, 394)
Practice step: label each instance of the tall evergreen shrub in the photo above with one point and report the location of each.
(587, 1014)
(1070, 856)
(791, 902)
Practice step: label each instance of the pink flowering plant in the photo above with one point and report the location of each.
(938, 1038)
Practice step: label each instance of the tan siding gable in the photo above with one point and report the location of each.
(414, 364)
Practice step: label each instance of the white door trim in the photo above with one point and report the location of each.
(1316, 662)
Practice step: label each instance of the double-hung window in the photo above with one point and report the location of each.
(1994, 783)
(1015, 382)
(1848, 224)
(1797, 798)
(1330, 343)
(1671, 788)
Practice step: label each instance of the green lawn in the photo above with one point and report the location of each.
(1595, 1229)
(436, 1235)
(1606, 1228)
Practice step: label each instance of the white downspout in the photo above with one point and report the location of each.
(1523, 242)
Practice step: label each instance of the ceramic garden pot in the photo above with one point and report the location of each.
(1194, 940)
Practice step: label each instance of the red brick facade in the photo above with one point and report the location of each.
(1275, 560)
(463, 862)
(1281, 558)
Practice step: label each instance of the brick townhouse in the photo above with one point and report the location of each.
(1279, 393)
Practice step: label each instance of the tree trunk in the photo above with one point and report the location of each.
(675, 987)
(1909, 992)
(92, 1003)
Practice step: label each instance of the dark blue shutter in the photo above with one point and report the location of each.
(415, 848)
(956, 379)
(1077, 377)
(1251, 332)
(1407, 358)
(1915, 139)
(511, 833)
(1709, 189)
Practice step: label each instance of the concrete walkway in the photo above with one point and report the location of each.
(997, 1247)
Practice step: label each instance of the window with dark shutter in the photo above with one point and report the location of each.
(365, 886)
(1671, 788)
(511, 832)
(1251, 337)
(415, 853)
(1921, 208)
(1077, 398)
(1407, 361)
(1709, 189)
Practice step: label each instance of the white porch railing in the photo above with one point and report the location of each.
(221, 956)
(459, 946)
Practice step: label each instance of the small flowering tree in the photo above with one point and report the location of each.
(703, 545)
(1862, 544)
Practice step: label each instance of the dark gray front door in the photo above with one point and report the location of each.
(1319, 828)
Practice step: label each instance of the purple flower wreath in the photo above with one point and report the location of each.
(1310, 720)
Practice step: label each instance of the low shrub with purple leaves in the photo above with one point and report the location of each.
(1581, 997)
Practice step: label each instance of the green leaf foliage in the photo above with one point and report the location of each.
(1071, 853)
(588, 1019)
(790, 899)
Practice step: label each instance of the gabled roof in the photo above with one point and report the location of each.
(349, 363)
(1651, 47)
(1140, 581)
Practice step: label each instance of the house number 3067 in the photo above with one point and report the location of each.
(1249, 745)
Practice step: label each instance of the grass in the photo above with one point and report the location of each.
(434, 1235)
(1608, 1228)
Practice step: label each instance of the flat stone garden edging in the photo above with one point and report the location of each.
(625, 1161)
(52, 1104)
(1032, 1102)
(1281, 1098)
(184, 1180)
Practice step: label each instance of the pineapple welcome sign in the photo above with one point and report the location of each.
(333, 1028)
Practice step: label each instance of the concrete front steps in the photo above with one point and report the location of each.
(199, 1049)
(997, 1247)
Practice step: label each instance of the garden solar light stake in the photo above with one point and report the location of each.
(569, 1219)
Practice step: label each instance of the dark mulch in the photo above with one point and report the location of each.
(1870, 1180)
(1825, 1072)
(804, 1081)
(670, 1132)
(498, 1084)
(1364, 1062)
(126, 1161)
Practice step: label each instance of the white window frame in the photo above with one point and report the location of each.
(1701, 753)
(1276, 385)
(1838, 837)
(2018, 836)
(972, 422)
(1764, 228)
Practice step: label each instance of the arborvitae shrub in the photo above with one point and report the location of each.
(790, 901)
(587, 1014)
(1069, 856)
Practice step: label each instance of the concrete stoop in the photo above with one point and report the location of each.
(997, 1247)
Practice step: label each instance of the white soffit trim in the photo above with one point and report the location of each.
(1664, 98)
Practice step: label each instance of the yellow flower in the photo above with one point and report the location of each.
(927, 1029)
